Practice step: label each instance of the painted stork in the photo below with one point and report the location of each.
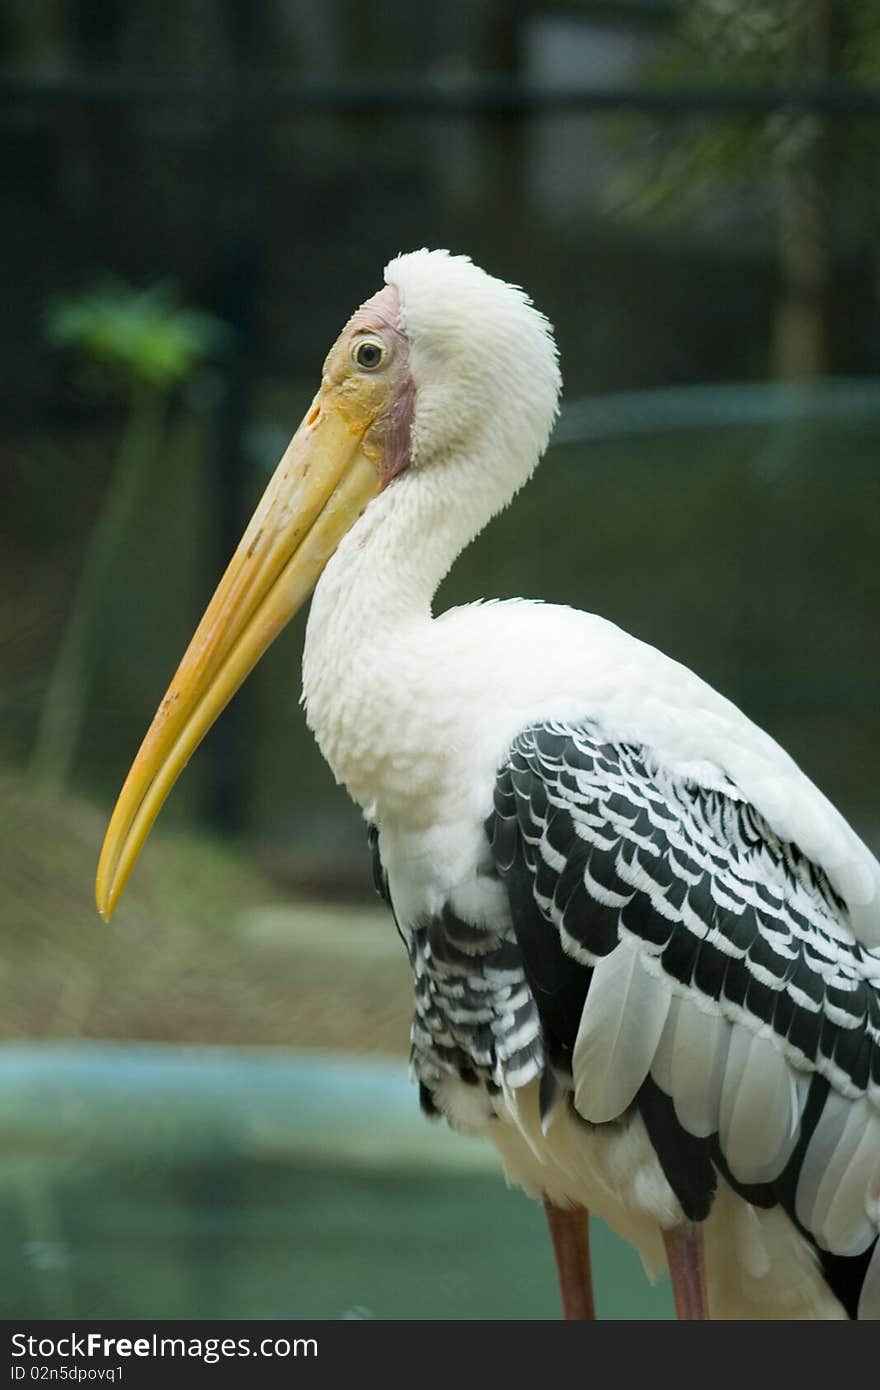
(646, 948)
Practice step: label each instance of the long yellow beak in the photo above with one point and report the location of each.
(319, 489)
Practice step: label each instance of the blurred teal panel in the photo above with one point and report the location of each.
(151, 1182)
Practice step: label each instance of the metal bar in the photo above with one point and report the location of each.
(729, 405)
(483, 97)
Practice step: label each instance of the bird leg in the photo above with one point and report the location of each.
(687, 1269)
(569, 1232)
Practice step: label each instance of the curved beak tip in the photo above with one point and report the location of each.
(320, 488)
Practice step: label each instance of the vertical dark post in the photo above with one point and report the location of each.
(240, 153)
(806, 202)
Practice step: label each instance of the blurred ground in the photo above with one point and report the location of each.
(186, 1182)
(233, 1182)
(205, 948)
(175, 1182)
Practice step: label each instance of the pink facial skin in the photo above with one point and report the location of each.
(391, 431)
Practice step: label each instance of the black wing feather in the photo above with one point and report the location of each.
(597, 841)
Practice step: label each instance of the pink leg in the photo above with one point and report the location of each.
(570, 1235)
(684, 1251)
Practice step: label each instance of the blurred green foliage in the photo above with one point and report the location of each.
(707, 167)
(144, 335)
(673, 170)
(151, 344)
(862, 47)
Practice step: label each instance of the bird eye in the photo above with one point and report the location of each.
(368, 353)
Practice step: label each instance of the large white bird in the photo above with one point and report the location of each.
(646, 948)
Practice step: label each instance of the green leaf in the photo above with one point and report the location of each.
(144, 335)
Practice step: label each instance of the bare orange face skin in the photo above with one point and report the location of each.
(354, 440)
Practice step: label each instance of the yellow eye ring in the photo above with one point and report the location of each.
(369, 354)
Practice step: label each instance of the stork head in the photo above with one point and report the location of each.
(482, 360)
(443, 361)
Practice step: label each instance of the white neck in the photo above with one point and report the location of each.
(370, 664)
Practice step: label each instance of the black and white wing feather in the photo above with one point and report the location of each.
(703, 970)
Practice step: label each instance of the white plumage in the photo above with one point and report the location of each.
(620, 1028)
(646, 949)
(416, 713)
